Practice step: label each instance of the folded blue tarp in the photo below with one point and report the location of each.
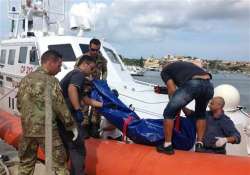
(141, 131)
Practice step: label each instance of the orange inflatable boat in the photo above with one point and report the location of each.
(117, 158)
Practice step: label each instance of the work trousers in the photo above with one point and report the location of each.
(76, 150)
(28, 155)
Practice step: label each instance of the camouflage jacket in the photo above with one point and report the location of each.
(100, 72)
(31, 103)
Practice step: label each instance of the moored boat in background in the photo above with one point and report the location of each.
(135, 70)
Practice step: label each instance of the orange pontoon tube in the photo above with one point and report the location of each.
(110, 157)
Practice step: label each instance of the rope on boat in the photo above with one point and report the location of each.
(245, 113)
(4, 169)
(148, 112)
(241, 109)
(144, 83)
(136, 99)
(7, 93)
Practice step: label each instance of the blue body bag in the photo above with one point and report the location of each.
(141, 131)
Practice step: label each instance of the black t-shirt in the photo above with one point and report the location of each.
(76, 78)
(180, 72)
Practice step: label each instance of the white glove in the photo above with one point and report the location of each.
(220, 141)
(75, 132)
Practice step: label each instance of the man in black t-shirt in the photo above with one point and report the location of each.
(193, 84)
(73, 91)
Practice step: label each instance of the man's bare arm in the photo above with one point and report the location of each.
(187, 112)
(171, 87)
(92, 102)
(73, 96)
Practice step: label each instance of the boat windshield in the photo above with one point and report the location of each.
(112, 56)
(65, 50)
(84, 48)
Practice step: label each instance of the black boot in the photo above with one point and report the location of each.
(94, 131)
(167, 150)
(86, 132)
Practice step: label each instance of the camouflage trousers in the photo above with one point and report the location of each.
(2, 168)
(91, 123)
(92, 117)
(28, 155)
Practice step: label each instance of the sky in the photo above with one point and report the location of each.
(208, 29)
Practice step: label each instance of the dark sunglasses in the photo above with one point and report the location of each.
(94, 50)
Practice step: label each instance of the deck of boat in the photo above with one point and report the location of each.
(12, 163)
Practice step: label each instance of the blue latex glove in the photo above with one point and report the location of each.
(110, 105)
(78, 116)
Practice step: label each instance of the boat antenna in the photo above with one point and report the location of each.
(94, 22)
(14, 14)
(13, 9)
(45, 17)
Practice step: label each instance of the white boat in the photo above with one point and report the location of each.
(135, 70)
(21, 53)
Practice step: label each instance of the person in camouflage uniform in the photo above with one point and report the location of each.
(31, 105)
(100, 72)
(92, 123)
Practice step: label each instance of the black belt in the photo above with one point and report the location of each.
(201, 77)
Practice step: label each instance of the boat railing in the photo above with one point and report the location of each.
(242, 109)
(145, 83)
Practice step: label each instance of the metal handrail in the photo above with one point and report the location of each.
(145, 83)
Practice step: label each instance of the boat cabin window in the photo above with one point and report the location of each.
(112, 56)
(22, 55)
(65, 50)
(9, 79)
(11, 58)
(33, 56)
(3, 56)
(84, 47)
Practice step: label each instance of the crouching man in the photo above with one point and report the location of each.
(73, 91)
(220, 129)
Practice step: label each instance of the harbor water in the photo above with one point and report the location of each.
(238, 80)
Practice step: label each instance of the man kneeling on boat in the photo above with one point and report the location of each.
(220, 129)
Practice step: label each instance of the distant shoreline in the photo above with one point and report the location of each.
(229, 72)
(239, 80)
(212, 65)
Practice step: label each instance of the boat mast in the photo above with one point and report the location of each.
(26, 10)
